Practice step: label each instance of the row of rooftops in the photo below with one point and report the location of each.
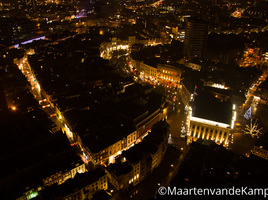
(210, 70)
(149, 145)
(89, 95)
(102, 124)
(209, 103)
(71, 186)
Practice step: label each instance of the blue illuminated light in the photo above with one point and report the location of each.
(29, 41)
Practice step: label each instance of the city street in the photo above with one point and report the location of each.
(36, 91)
(124, 99)
(177, 145)
(176, 119)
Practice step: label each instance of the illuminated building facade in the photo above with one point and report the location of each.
(146, 72)
(169, 76)
(138, 162)
(216, 85)
(185, 95)
(162, 74)
(127, 125)
(82, 186)
(56, 171)
(211, 116)
(61, 176)
(119, 175)
(107, 155)
(208, 130)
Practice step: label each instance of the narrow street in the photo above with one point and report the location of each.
(36, 91)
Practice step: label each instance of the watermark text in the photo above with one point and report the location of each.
(233, 191)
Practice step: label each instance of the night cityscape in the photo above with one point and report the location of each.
(134, 99)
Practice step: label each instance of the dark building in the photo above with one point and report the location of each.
(210, 165)
(3, 102)
(119, 175)
(195, 38)
(13, 29)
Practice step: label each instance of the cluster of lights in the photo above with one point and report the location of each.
(216, 85)
(170, 79)
(233, 117)
(220, 86)
(107, 52)
(209, 122)
(253, 130)
(266, 56)
(188, 119)
(237, 13)
(68, 131)
(133, 179)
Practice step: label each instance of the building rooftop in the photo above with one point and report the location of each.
(158, 133)
(119, 168)
(212, 104)
(62, 162)
(105, 123)
(97, 131)
(135, 154)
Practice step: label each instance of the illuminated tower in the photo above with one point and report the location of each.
(195, 38)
